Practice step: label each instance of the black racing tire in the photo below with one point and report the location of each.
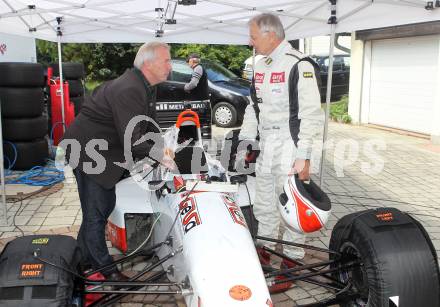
(76, 88)
(21, 102)
(77, 103)
(224, 115)
(24, 129)
(21, 74)
(29, 154)
(396, 255)
(71, 70)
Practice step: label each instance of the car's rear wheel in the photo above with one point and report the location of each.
(225, 115)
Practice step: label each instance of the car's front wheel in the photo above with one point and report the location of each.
(224, 115)
(386, 258)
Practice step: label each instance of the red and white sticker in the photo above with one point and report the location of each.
(189, 214)
(234, 210)
(259, 77)
(277, 77)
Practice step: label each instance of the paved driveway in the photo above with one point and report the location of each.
(365, 167)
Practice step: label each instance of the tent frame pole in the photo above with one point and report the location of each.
(332, 22)
(60, 69)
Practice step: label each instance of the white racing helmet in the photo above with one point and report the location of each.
(304, 207)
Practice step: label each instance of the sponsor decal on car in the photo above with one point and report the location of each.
(178, 106)
(277, 77)
(234, 210)
(189, 214)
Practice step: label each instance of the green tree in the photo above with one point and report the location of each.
(231, 56)
(107, 61)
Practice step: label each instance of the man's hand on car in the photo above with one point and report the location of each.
(168, 158)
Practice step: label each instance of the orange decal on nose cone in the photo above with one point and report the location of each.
(240, 293)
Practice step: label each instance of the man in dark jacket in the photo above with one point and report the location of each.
(198, 85)
(102, 145)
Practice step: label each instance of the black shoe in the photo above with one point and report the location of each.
(117, 276)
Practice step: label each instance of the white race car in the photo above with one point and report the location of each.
(215, 261)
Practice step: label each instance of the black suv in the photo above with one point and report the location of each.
(229, 93)
(172, 99)
(341, 75)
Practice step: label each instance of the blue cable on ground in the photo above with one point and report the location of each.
(11, 164)
(39, 176)
(36, 176)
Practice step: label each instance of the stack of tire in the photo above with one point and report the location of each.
(24, 121)
(74, 74)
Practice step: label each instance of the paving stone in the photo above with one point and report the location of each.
(29, 229)
(45, 209)
(36, 221)
(306, 301)
(21, 220)
(31, 207)
(7, 228)
(297, 293)
(62, 213)
(59, 221)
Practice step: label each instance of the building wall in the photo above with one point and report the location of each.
(356, 71)
(362, 79)
(319, 45)
(435, 135)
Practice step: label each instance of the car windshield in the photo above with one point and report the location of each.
(218, 73)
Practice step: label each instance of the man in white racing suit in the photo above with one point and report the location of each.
(289, 122)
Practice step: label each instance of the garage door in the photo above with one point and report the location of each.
(403, 80)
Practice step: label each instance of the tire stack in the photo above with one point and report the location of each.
(24, 121)
(74, 74)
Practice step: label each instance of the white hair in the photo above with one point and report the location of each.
(269, 23)
(147, 52)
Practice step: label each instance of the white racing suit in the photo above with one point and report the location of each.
(290, 121)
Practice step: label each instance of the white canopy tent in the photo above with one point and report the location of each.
(207, 22)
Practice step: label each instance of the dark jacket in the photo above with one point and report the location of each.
(201, 91)
(105, 116)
